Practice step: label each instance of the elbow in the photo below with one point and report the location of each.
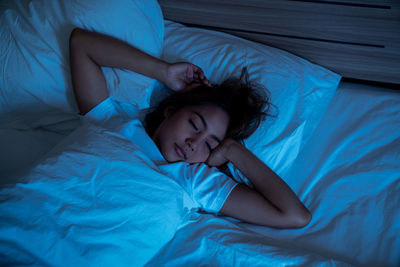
(74, 37)
(300, 219)
(303, 219)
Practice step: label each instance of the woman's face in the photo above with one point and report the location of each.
(191, 133)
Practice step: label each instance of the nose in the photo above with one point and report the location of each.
(192, 143)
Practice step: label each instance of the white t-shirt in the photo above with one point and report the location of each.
(207, 187)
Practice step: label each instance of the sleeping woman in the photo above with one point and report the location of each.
(199, 123)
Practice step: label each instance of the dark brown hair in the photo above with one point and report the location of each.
(246, 103)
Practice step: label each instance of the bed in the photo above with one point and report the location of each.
(67, 196)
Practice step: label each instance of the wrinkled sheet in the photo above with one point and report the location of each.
(348, 176)
(95, 200)
(80, 206)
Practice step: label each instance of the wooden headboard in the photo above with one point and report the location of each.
(359, 39)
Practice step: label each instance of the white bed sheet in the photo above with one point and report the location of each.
(96, 199)
(348, 176)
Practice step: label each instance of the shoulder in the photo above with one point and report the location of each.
(111, 109)
(210, 186)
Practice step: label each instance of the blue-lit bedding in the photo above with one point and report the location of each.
(67, 193)
(349, 177)
(96, 199)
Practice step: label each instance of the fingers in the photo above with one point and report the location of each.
(199, 76)
(194, 73)
(189, 75)
(193, 76)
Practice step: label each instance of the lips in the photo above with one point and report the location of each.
(179, 151)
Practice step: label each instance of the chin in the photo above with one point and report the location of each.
(173, 160)
(169, 156)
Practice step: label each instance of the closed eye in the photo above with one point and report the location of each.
(194, 125)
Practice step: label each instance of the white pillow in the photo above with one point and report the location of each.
(301, 90)
(35, 73)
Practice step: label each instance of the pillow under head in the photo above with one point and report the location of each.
(299, 89)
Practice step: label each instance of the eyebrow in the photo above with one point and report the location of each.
(205, 126)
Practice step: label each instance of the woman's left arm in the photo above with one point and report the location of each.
(90, 50)
(272, 203)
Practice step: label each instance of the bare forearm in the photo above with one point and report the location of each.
(89, 51)
(110, 52)
(265, 181)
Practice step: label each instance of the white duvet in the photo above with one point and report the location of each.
(95, 200)
(82, 204)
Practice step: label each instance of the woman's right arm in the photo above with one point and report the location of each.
(271, 203)
(90, 50)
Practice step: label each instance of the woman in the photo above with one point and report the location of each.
(190, 132)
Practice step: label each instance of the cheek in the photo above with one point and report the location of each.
(174, 131)
(200, 156)
(182, 130)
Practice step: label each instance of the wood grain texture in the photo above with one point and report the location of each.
(357, 39)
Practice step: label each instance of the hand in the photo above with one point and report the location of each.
(184, 76)
(219, 155)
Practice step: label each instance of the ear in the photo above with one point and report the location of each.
(169, 111)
